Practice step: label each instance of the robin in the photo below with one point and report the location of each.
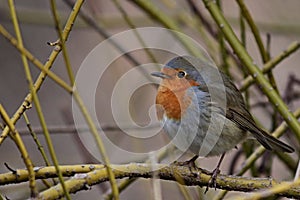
(204, 112)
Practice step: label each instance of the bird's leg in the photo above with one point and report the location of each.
(214, 174)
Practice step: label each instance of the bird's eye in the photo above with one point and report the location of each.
(181, 74)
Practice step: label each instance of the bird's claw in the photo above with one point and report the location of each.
(190, 164)
(213, 180)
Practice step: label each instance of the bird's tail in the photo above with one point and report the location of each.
(271, 143)
(248, 124)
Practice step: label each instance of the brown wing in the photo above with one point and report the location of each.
(247, 124)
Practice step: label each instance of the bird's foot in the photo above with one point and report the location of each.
(213, 180)
(190, 164)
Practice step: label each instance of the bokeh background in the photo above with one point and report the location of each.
(279, 18)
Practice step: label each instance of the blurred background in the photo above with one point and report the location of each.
(278, 18)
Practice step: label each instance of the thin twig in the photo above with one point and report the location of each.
(153, 11)
(44, 68)
(209, 27)
(254, 29)
(271, 64)
(276, 189)
(36, 140)
(10, 169)
(132, 26)
(101, 30)
(65, 129)
(39, 81)
(62, 42)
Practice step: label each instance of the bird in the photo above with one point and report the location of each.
(203, 112)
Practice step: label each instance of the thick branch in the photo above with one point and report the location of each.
(84, 176)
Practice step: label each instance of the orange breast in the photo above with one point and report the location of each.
(173, 103)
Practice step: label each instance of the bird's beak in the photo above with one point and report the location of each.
(160, 75)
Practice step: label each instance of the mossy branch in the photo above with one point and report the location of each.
(85, 176)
